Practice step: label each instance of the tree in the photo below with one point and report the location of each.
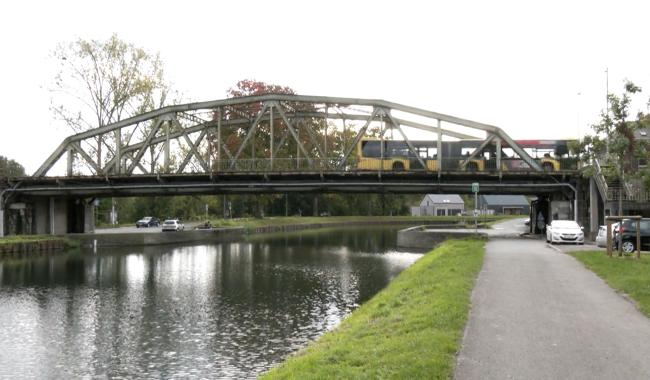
(10, 168)
(614, 143)
(102, 82)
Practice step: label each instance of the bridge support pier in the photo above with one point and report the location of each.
(593, 208)
(2, 221)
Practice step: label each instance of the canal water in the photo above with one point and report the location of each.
(223, 310)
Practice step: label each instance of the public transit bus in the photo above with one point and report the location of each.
(458, 155)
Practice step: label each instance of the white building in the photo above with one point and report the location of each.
(439, 205)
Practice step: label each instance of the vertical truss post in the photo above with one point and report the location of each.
(439, 148)
(271, 132)
(118, 151)
(99, 151)
(219, 114)
(498, 142)
(381, 143)
(325, 134)
(70, 161)
(168, 126)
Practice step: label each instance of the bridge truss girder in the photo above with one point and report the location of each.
(134, 146)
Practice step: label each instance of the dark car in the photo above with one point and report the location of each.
(627, 234)
(147, 221)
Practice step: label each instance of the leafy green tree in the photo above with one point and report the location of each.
(10, 168)
(102, 82)
(614, 143)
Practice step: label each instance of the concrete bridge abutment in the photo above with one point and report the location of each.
(47, 216)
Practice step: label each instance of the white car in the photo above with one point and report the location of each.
(564, 231)
(172, 225)
(601, 238)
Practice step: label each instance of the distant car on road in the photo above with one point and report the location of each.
(147, 221)
(564, 231)
(173, 225)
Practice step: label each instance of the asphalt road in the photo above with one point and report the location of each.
(143, 230)
(539, 314)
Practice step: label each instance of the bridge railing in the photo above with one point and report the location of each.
(332, 164)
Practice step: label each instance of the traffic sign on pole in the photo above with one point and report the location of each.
(474, 187)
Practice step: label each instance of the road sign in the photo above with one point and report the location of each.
(476, 212)
(474, 187)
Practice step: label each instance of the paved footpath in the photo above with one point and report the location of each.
(539, 314)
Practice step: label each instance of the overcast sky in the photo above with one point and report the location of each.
(535, 69)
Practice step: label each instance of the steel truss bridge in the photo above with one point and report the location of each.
(275, 143)
(271, 144)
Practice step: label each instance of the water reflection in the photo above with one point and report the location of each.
(222, 310)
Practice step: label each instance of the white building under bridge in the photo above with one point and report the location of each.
(439, 205)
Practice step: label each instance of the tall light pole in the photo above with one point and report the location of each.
(578, 121)
(607, 110)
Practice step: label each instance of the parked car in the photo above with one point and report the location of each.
(627, 234)
(147, 221)
(173, 225)
(564, 231)
(601, 238)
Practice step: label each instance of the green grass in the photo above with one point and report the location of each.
(26, 238)
(410, 330)
(36, 238)
(625, 274)
(251, 223)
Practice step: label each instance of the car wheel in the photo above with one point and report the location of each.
(628, 247)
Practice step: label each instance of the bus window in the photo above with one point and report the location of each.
(397, 149)
(370, 149)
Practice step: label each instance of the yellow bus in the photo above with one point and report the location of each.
(395, 155)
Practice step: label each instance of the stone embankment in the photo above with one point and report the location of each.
(28, 248)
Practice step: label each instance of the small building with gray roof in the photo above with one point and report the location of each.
(439, 205)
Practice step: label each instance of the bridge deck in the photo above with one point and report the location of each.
(520, 182)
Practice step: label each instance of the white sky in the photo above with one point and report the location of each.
(518, 65)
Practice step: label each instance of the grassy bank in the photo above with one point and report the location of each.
(411, 329)
(625, 274)
(20, 239)
(27, 239)
(251, 223)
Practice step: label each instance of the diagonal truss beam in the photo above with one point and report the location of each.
(293, 132)
(477, 150)
(251, 132)
(357, 138)
(193, 146)
(194, 153)
(145, 145)
(408, 142)
(77, 148)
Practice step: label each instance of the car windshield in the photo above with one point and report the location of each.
(146, 218)
(170, 222)
(565, 224)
